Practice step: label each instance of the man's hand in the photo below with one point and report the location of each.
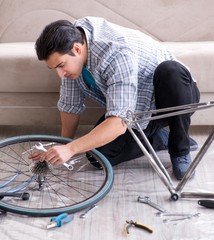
(37, 156)
(55, 155)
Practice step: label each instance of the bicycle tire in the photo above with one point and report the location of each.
(13, 162)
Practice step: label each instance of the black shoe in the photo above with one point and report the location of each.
(161, 137)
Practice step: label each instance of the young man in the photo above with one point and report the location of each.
(121, 69)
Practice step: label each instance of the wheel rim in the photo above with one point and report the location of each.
(52, 189)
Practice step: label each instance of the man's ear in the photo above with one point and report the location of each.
(77, 49)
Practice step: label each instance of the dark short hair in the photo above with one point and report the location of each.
(58, 36)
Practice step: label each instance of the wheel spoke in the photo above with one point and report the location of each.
(52, 189)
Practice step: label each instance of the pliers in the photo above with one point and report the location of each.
(138, 225)
(60, 220)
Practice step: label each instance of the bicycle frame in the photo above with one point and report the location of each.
(176, 191)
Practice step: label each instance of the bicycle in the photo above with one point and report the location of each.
(40, 189)
(77, 184)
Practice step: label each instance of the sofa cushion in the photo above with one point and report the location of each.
(198, 56)
(22, 72)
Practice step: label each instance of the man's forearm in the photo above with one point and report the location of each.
(102, 134)
(69, 124)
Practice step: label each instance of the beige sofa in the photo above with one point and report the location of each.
(29, 91)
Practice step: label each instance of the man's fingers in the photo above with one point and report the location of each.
(37, 156)
(51, 156)
(55, 155)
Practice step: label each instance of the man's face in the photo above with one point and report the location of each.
(67, 65)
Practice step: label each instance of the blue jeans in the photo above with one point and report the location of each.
(173, 86)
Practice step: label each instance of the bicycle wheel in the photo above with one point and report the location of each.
(39, 189)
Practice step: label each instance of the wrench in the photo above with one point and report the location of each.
(182, 217)
(175, 219)
(147, 200)
(166, 214)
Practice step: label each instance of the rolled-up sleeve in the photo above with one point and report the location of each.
(71, 98)
(122, 83)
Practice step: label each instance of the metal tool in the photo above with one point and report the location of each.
(167, 214)
(84, 215)
(36, 147)
(183, 216)
(147, 200)
(60, 220)
(138, 225)
(175, 219)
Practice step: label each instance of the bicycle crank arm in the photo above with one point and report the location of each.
(24, 196)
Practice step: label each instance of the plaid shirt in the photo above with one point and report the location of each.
(122, 62)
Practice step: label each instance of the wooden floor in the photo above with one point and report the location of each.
(132, 179)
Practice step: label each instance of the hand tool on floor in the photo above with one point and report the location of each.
(84, 215)
(138, 225)
(174, 214)
(175, 219)
(60, 220)
(206, 203)
(179, 216)
(148, 201)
